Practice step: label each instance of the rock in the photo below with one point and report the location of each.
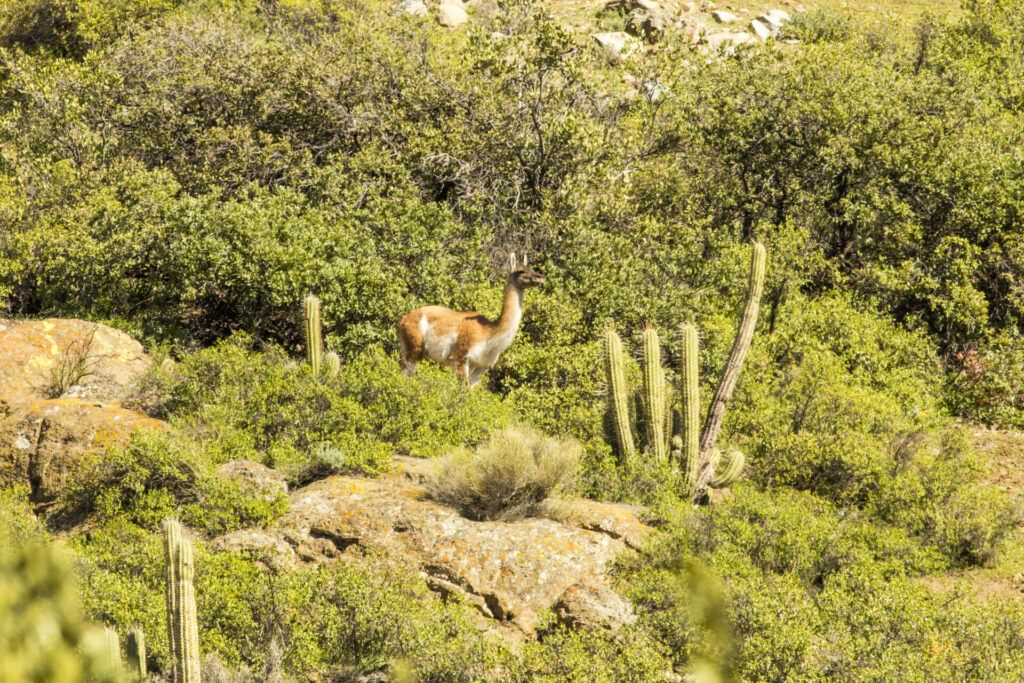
(777, 16)
(617, 45)
(487, 9)
(511, 571)
(31, 352)
(725, 38)
(648, 24)
(596, 606)
(270, 549)
(723, 17)
(41, 444)
(451, 15)
(689, 7)
(693, 30)
(415, 8)
(648, 5)
(262, 481)
(761, 30)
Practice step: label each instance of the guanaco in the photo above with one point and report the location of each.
(466, 341)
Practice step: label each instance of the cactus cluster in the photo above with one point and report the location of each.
(684, 443)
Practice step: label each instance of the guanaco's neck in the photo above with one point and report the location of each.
(511, 308)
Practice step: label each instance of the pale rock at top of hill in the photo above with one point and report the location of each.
(617, 45)
(452, 14)
(648, 24)
(722, 39)
(416, 8)
(723, 17)
(761, 30)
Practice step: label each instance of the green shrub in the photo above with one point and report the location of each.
(43, 634)
(159, 475)
(820, 25)
(515, 474)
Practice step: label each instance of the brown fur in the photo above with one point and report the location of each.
(470, 328)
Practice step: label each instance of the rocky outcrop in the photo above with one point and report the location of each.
(511, 571)
(452, 13)
(42, 359)
(41, 444)
(259, 480)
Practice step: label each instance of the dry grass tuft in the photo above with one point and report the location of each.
(517, 473)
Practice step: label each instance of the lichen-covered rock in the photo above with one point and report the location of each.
(41, 443)
(261, 480)
(512, 571)
(33, 352)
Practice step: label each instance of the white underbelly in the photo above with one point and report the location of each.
(439, 347)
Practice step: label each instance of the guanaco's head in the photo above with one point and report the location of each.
(523, 275)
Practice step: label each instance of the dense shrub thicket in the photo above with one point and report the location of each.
(188, 171)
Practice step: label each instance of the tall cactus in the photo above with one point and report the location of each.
(745, 333)
(311, 332)
(182, 626)
(618, 398)
(689, 391)
(731, 372)
(654, 395)
(111, 649)
(137, 653)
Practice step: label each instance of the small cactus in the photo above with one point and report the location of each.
(182, 625)
(689, 390)
(618, 398)
(654, 395)
(728, 469)
(312, 334)
(332, 364)
(137, 652)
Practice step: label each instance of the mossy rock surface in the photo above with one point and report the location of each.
(41, 443)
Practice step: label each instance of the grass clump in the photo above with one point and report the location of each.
(517, 473)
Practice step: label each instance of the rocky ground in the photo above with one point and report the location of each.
(512, 572)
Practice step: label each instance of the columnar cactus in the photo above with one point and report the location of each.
(311, 332)
(731, 372)
(728, 468)
(744, 335)
(618, 395)
(332, 364)
(111, 649)
(689, 391)
(137, 652)
(182, 626)
(654, 395)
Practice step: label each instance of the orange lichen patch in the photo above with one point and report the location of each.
(49, 437)
(31, 351)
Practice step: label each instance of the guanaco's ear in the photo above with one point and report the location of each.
(511, 261)
(524, 259)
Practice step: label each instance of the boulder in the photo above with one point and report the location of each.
(722, 39)
(511, 571)
(761, 30)
(723, 17)
(93, 361)
(259, 479)
(451, 14)
(617, 45)
(689, 7)
(41, 444)
(416, 8)
(648, 24)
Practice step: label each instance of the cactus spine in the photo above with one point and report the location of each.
(332, 364)
(182, 626)
(311, 331)
(618, 401)
(728, 468)
(689, 391)
(654, 395)
(137, 652)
